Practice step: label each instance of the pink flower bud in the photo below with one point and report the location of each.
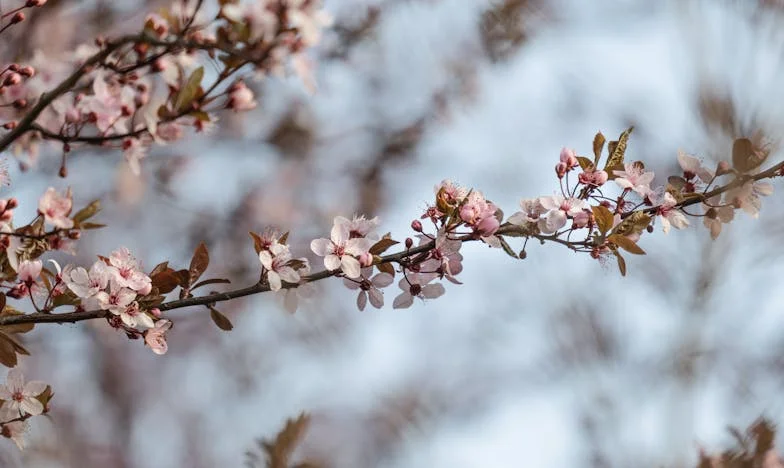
(723, 168)
(560, 169)
(27, 71)
(18, 17)
(12, 79)
(416, 225)
(366, 259)
(569, 158)
(34, 3)
(409, 242)
(156, 312)
(581, 220)
(12, 203)
(488, 226)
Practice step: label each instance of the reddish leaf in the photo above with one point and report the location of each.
(199, 262)
(382, 245)
(220, 320)
(386, 268)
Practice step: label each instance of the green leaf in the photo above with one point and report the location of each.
(87, 212)
(220, 320)
(598, 145)
(603, 217)
(382, 245)
(617, 151)
(626, 244)
(199, 262)
(189, 90)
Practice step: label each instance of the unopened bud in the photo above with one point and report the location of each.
(63, 171)
(11, 203)
(523, 254)
(560, 169)
(34, 3)
(723, 168)
(12, 79)
(27, 71)
(66, 148)
(10, 125)
(20, 103)
(366, 259)
(649, 228)
(156, 312)
(18, 17)
(416, 225)
(74, 235)
(409, 242)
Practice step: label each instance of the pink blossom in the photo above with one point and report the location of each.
(134, 151)
(670, 214)
(360, 226)
(155, 337)
(309, 19)
(748, 196)
(275, 260)
(20, 397)
(369, 288)
(127, 272)
(444, 259)
(479, 214)
(29, 271)
(634, 177)
(593, 177)
(116, 300)
(416, 285)
(55, 208)
(262, 22)
(86, 285)
(450, 193)
(133, 316)
(716, 216)
(532, 209)
(15, 430)
(110, 105)
(340, 251)
(693, 168)
(241, 98)
(559, 210)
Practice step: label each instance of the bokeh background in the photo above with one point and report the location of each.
(553, 361)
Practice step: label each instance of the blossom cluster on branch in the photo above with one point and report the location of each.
(134, 91)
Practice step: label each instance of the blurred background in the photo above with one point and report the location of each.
(553, 361)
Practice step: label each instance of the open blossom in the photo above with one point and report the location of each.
(360, 226)
(110, 105)
(634, 177)
(445, 258)
(133, 152)
(449, 194)
(28, 272)
(275, 260)
(55, 208)
(370, 288)
(593, 177)
(559, 210)
(670, 215)
(15, 430)
(133, 316)
(155, 337)
(20, 397)
(87, 284)
(416, 285)
(532, 209)
(747, 196)
(116, 300)
(717, 215)
(339, 251)
(127, 272)
(692, 167)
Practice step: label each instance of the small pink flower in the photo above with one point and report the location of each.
(748, 196)
(634, 177)
(20, 397)
(559, 210)
(416, 285)
(116, 300)
(595, 178)
(275, 260)
(87, 284)
(340, 251)
(670, 214)
(55, 208)
(134, 317)
(370, 288)
(29, 271)
(532, 209)
(155, 337)
(127, 272)
(360, 226)
(479, 214)
(241, 98)
(15, 430)
(693, 168)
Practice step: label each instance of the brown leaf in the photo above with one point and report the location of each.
(199, 262)
(166, 280)
(618, 150)
(386, 268)
(621, 263)
(220, 320)
(279, 451)
(87, 212)
(382, 245)
(745, 157)
(585, 163)
(159, 268)
(603, 217)
(189, 91)
(284, 238)
(598, 145)
(257, 242)
(626, 244)
(7, 352)
(507, 248)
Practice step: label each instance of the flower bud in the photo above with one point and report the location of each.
(34, 3)
(416, 225)
(12, 79)
(409, 242)
(723, 168)
(63, 173)
(560, 169)
(27, 71)
(156, 312)
(18, 17)
(366, 259)
(569, 158)
(10, 125)
(11, 203)
(20, 103)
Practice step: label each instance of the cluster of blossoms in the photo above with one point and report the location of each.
(136, 90)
